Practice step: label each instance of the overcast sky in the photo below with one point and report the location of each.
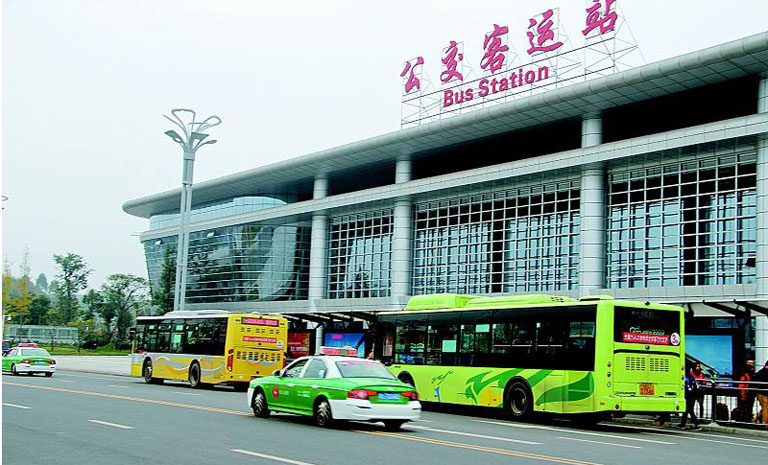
(85, 84)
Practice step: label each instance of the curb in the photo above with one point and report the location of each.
(710, 428)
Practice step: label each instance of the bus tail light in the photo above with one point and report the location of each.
(230, 358)
(362, 394)
(412, 395)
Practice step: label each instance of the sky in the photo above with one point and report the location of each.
(85, 85)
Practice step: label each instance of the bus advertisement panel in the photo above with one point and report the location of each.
(539, 353)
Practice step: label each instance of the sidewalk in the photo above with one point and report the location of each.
(104, 364)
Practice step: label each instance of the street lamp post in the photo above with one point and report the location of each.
(192, 138)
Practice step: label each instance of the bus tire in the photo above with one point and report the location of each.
(259, 404)
(194, 375)
(147, 372)
(518, 399)
(406, 378)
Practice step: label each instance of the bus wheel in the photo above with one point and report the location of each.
(147, 372)
(259, 404)
(518, 400)
(194, 375)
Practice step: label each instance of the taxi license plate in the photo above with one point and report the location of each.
(40, 363)
(389, 396)
(647, 389)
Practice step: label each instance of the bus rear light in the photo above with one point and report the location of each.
(362, 394)
(412, 395)
(230, 359)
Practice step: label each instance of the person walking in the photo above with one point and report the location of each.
(700, 379)
(692, 389)
(762, 393)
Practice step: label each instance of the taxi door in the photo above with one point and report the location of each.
(283, 393)
(308, 385)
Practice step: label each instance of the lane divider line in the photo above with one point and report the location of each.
(24, 407)
(740, 444)
(575, 431)
(600, 442)
(188, 393)
(473, 447)
(133, 399)
(269, 457)
(475, 435)
(684, 434)
(114, 425)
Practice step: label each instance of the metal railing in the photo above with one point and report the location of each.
(733, 402)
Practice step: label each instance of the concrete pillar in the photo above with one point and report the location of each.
(761, 321)
(402, 235)
(592, 213)
(318, 254)
(318, 337)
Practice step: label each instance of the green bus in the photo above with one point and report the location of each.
(591, 357)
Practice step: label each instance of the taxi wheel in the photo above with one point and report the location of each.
(393, 425)
(323, 415)
(48, 375)
(13, 370)
(259, 404)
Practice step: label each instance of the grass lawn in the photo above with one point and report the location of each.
(71, 350)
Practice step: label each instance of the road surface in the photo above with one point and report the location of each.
(83, 418)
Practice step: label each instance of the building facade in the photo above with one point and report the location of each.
(647, 184)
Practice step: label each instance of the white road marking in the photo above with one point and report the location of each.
(475, 435)
(64, 380)
(106, 423)
(188, 393)
(117, 385)
(684, 434)
(599, 442)
(423, 421)
(588, 433)
(269, 457)
(16, 406)
(59, 373)
(731, 443)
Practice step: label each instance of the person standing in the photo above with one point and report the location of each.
(762, 393)
(746, 394)
(692, 389)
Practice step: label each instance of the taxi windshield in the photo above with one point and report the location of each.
(363, 369)
(35, 353)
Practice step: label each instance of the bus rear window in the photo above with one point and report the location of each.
(646, 326)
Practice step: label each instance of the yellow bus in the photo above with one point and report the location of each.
(206, 348)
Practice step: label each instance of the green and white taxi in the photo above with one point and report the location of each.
(29, 359)
(333, 388)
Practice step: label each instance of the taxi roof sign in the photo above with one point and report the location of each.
(346, 351)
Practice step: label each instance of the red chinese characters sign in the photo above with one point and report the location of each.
(645, 338)
(260, 321)
(264, 340)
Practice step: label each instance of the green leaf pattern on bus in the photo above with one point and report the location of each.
(578, 390)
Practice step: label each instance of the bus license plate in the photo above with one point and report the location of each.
(647, 390)
(389, 396)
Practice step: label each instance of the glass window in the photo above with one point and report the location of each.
(294, 370)
(177, 337)
(363, 369)
(646, 326)
(410, 343)
(34, 352)
(316, 369)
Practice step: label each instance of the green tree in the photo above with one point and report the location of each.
(73, 278)
(41, 284)
(93, 302)
(162, 298)
(38, 310)
(8, 285)
(22, 299)
(125, 295)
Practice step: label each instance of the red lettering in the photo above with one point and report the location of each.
(543, 73)
(447, 98)
(503, 85)
(493, 86)
(470, 94)
(483, 88)
(530, 77)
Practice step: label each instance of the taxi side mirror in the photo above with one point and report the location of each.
(278, 373)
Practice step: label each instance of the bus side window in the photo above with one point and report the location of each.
(138, 339)
(410, 343)
(177, 337)
(190, 343)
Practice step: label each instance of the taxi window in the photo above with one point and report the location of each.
(363, 369)
(13, 352)
(315, 370)
(294, 370)
(35, 353)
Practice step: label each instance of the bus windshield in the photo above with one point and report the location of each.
(646, 326)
